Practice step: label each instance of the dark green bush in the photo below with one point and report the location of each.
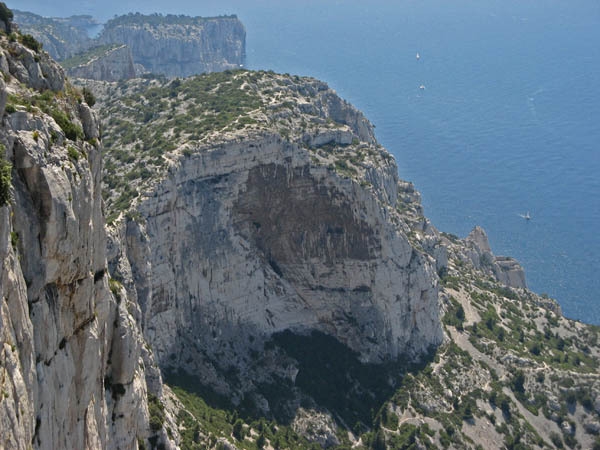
(72, 131)
(29, 41)
(89, 97)
(518, 382)
(157, 413)
(238, 430)
(556, 440)
(6, 15)
(5, 181)
(73, 153)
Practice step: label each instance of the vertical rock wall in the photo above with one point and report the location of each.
(247, 239)
(71, 368)
(180, 48)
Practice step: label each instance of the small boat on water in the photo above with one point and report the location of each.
(422, 87)
(526, 216)
(418, 56)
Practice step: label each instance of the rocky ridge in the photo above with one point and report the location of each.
(74, 369)
(169, 45)
(264, 236)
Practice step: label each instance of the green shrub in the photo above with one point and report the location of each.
(6, 15)
(261, 441)
(72, 131)
(556, 440)
(238, 430)
(5, 181)
(455, 316)
(157, 413)
(115, 287)
(518, 382)
(73, 153)
(14, 239)
(29, 41)
(89, 97)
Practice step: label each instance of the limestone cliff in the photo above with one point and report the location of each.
(73, 367)
(108, 63)
(168, 45)
(179, 45)
(282, 218)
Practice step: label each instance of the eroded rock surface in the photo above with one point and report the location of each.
(71, 360)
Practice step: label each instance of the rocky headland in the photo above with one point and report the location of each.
(242, 237)
(164, 45)
(179, 46)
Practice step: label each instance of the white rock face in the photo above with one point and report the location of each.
(114, 65)
(505, 269)
(70, 354)
(34, 69)
(247, 238)
(180, 48)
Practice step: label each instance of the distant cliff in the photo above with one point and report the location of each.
(179, 45)
(61, 37)
(166, 45)
(105, 63)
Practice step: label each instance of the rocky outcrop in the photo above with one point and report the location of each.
(30, 68)
(113, 64)
(72, 363)
(505, 269)
(179, 45)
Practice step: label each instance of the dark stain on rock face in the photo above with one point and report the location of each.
(292, 217)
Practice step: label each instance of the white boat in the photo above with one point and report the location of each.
(526, 216)
(418, 56)
(422, 87)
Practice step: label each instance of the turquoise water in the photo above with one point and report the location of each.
(508, 122)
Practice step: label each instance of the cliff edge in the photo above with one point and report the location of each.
(285, 272)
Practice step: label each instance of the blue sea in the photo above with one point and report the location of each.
(508, 122)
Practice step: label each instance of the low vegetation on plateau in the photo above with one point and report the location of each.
(151, 123)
